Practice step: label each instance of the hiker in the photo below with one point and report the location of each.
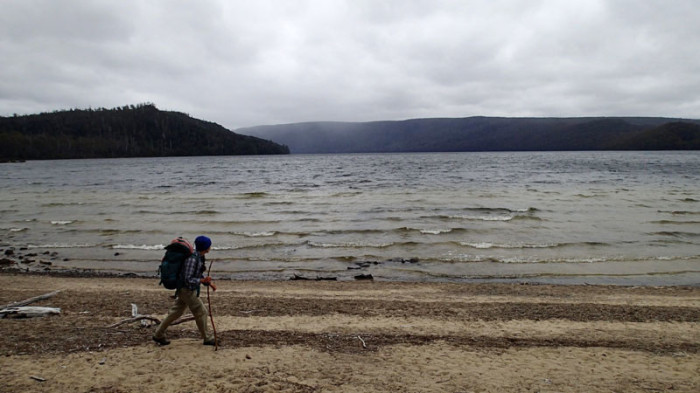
(187, 296)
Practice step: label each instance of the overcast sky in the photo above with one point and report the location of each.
(255, 62)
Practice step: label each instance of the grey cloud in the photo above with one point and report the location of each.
(243, 63)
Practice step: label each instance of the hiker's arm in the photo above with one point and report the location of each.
(190, 273)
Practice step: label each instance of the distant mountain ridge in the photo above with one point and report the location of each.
(130, 131)
(486, 134)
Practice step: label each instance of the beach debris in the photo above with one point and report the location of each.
(144, 319)
(317, 278)
(364, 345)
(404, 260)
(364, 277)
(36, 378)
(32, 299)
(135, 313)
(28, 312)
(362, 265)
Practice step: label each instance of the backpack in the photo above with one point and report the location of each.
(176, 252)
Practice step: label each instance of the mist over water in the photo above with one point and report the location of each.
(563, 217)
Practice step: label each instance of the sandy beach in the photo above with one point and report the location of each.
(318, 336)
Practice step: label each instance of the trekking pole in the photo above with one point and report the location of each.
(211, 316)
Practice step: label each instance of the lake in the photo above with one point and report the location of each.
(629, 218)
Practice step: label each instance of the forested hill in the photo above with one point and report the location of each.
(486, 134)
(130, 131)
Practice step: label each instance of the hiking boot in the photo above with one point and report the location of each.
(161, 340)
(210, 342)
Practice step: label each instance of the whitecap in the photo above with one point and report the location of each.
(349, 245)
(61, 245)
(257, 234)
(435, 231)
(478, 245)
(137, 247)
(483, 218)
(484, 245)
(62, 222)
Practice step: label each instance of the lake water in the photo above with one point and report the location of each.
(628, 218)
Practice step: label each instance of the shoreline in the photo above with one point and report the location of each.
(17, 265)
(355, 336)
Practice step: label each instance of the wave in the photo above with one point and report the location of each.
(62, 245)
(62, 222)
(673, 222)
(350, 231)
(488, 214)
(255, 234)
(349, 245)
(487, 245)
(62, 204)
(252, 195)
(278, 203)
(347, 194)
(137, 247)
(435, 231)
(431, 231)
(516, 260)
(150, 247)
(113, 232)
(500, 210)
(482, 218)
(205, 212)
(680, 212)
(675, 234)
(179, 212)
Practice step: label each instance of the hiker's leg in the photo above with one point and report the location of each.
(200, 313)
(176, 311)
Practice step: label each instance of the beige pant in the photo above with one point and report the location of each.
(186, 299)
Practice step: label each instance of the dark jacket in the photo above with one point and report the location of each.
(193, 271)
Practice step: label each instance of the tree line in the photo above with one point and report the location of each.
(130, 131)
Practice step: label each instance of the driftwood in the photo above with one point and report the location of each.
(28, 312)
(31, 300)
(318, 278)
(136, 317)
(18, 309)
